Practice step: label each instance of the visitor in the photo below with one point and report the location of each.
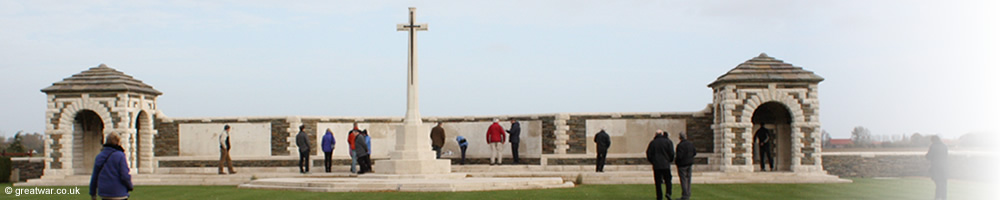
(660, 153)
(368, 144)
(361, 151)
(327, 144)
(224, 147)
(302, 140)
(495, 137)
(462, 144)
(351, 135)
(437, 139)
(110, 178)
(763, 137)
(603, 143)
(685, 158)
(938, 157)
(515, 139)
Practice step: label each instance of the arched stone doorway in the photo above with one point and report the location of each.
(775, 117)
(143, 127)
(89, 127)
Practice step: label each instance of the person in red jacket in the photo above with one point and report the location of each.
(494, 137)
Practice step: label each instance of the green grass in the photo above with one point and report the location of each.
(905, 188)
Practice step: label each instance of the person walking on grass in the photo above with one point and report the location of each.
(327, 145)
(685, 158)
(110, 178)
(938, 156)
(660, 153)
(302, 140)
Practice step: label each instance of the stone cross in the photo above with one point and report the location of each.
(412, 103)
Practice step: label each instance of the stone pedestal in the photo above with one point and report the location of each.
(413, 153)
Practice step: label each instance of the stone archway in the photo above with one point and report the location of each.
(777, 119)
(143, 130)
(89, 128)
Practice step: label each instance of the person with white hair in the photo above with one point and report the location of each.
(495, 138)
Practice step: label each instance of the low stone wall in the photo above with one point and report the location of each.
(968, 166)
(28, 168)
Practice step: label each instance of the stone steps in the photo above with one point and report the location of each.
(363, 184)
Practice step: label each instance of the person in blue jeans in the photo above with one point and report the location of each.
(463, 144)
(110, 178)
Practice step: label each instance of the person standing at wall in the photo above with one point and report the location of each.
(660, 153)
(938, 156)
(603, 143)
(368, 142)
(763, 137)
(495, 138)
(361, 150)
(302, 140)
(515, 139)
(224, 147)
(437, 139)
(327, 144)
(110, 178)
(350, 141)
(685, 158)
(462, 144)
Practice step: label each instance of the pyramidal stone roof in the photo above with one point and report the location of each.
(101, 79)
(764, 68)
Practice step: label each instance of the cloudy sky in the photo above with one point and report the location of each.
(896, 67)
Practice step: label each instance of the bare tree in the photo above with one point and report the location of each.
(861, 136)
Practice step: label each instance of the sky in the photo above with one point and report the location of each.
(893, 66)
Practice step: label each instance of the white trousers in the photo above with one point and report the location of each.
(497, 155)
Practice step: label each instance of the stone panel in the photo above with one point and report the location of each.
(202, 139)
(166, 142)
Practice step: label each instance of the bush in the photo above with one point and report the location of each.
(5, 169)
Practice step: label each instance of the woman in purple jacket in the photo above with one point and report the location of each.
(110, 179)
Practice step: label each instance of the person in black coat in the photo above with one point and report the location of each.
(363, 151)
(603, 142)
(660, 153)
(938, 156)
(763, 137)
(684, 160)
(515, 139)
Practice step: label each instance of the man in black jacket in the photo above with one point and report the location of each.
(603, 142)
(660, 153)
(302, 141)
(685, 158)
(515, 139)
(763, 137)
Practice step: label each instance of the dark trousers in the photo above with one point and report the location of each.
(602, 156)
(662, 176)
(437, 150)
(327, 160)
(304, 161)
(365, 164)
(684, 173)
(463, 153)
(765, 153)
(513, 152)
(941, 188)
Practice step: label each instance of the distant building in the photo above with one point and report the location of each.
(840, 143)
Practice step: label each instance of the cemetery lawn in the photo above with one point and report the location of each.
(862, 188)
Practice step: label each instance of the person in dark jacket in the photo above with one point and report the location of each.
(684, 160)
(302, 140)
(515, 139)
(361, 150)
(110, 178)
(660, 153)
(327, 145)
(763, 137)
(463, 144)
(437, 139)
(938, 156)
(603, 143)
